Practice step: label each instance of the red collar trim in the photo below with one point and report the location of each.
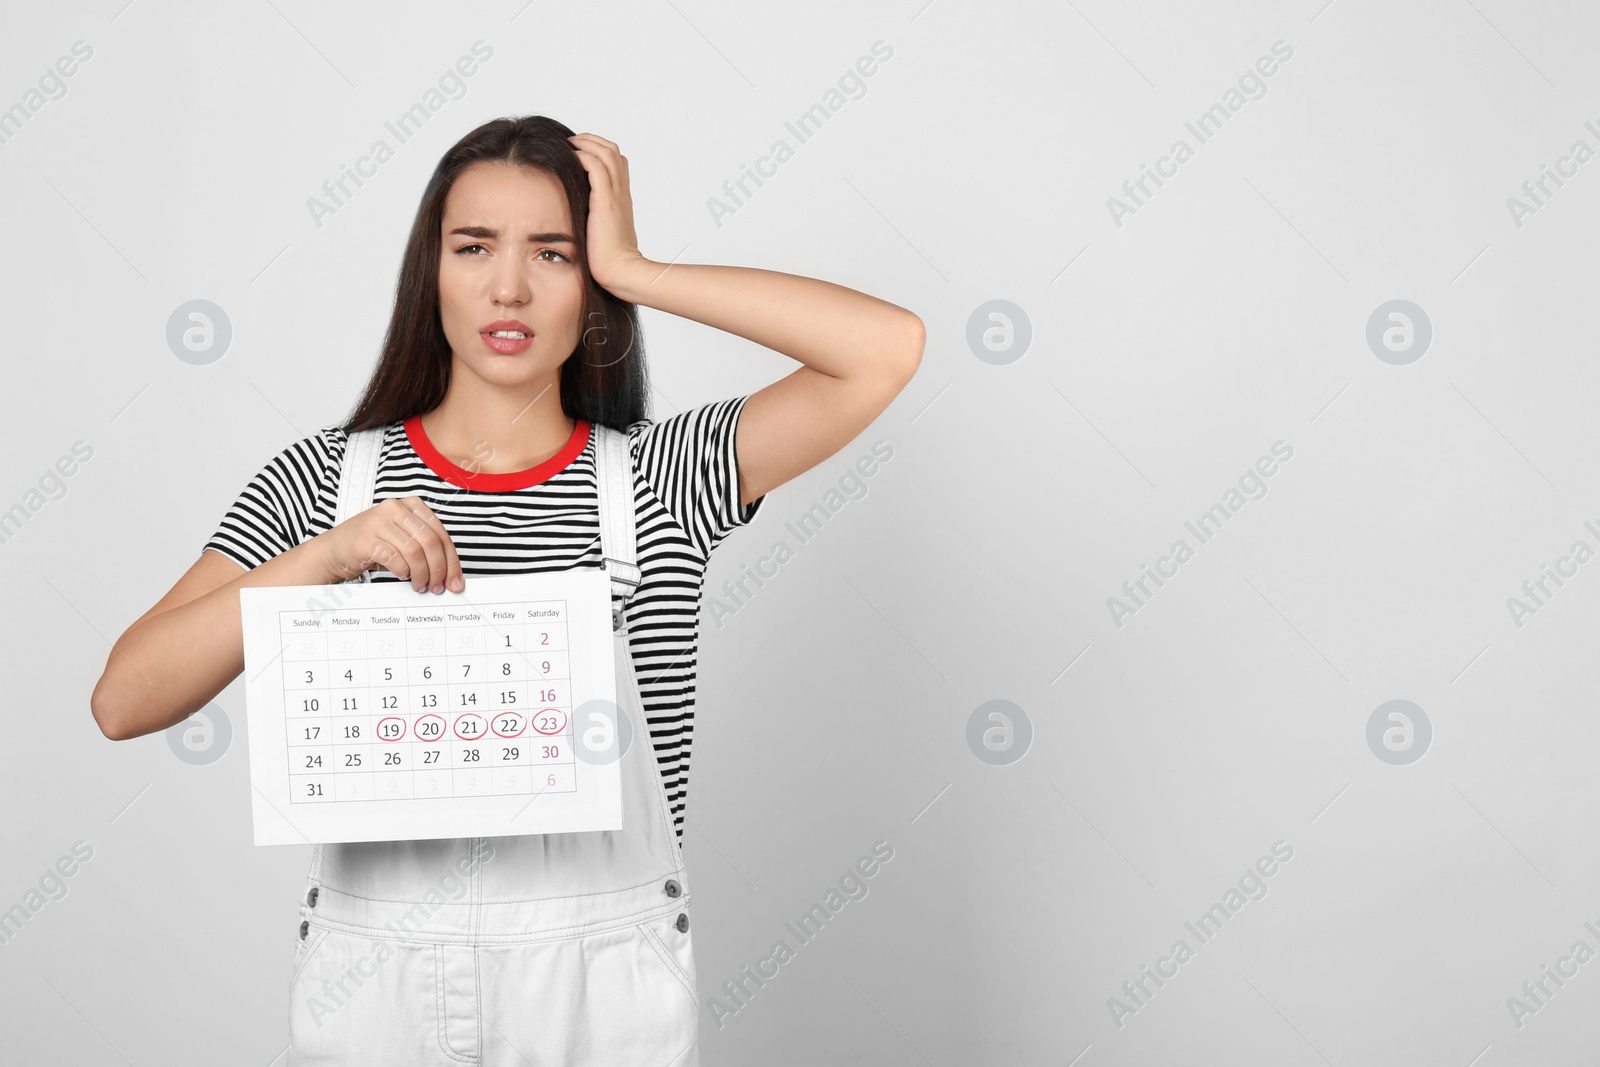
(495, 483)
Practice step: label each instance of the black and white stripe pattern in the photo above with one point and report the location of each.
(686, 494)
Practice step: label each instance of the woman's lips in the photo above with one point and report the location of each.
(508, 346)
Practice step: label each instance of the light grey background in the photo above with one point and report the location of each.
(1167, 355)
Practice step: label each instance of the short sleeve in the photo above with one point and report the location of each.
(690, 461)
(289, 501)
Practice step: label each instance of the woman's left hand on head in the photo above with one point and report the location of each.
(613, 246)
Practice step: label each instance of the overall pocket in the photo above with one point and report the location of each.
(305, 948)
(676, 955)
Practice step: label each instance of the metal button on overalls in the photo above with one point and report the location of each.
(505, 951)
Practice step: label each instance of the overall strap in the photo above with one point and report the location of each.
(358, 477)
(618, 531)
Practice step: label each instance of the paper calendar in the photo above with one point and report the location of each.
(377, 713)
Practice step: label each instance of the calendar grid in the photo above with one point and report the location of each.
(416, 703)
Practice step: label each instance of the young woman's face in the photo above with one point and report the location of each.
(507, 253)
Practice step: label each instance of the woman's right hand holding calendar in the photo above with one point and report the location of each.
(401, 535)
(180, 653)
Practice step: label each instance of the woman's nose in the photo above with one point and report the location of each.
(511, 283)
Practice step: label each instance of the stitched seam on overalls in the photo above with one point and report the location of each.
(672, 965)
(320, 936)
(438, 1009)
(554, 933)
(516, 900)
(475, 887)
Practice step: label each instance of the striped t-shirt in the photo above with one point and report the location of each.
(686, 494)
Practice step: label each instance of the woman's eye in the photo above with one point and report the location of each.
(466, 249)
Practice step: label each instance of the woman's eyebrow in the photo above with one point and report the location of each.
(491, 233)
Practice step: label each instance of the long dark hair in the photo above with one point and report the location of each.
(602, 381)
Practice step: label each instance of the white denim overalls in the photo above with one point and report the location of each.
(530, 950)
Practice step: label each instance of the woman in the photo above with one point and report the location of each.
(513, 341)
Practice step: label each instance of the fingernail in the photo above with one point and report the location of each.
(438, 587)
(458, 583)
